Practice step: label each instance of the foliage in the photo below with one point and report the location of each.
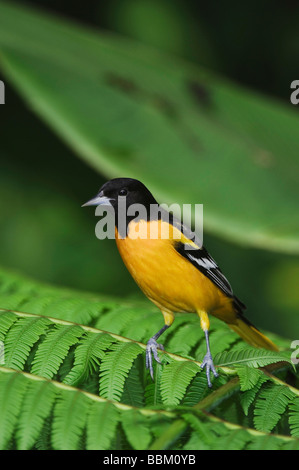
(73, 375)
(67, 383)
(163, 113)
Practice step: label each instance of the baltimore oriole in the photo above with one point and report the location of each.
(174, 270)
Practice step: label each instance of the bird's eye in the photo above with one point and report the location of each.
(123, 192)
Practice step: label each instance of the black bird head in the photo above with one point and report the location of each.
(125, 191)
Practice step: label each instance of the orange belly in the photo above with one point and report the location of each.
(167, 278)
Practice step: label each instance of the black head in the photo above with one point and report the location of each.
(130, 191)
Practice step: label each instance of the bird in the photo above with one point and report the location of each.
(174, 270)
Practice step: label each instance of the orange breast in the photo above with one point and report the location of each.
(167, 278)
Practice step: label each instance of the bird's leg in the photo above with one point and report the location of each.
(207, 360)
(152, 345)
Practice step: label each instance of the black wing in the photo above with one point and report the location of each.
(201, 259)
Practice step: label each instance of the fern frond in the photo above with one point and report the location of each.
(102, 421)
(271, 404)
(267, 442)
(7, 319)
(38, 412)
(127, 320)
(294, 417)
(251, 357)
(115, 369)
(36, 407)
(249, 376)
(198, 389)
(152, 393)
(186, 337)
(12, 390)
(236, 439)
(88, 354)
(69, 420)
(21, 338)
(218, 434)
(132, 420)
(248, 396)
(74, 412)
(146, 321)
(175, 380)
(54, 348)
(133, 393)
(203, 436)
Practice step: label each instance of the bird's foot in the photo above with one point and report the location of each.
(151, 350)
(209, 365)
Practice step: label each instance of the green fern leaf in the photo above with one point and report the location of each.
(21, 338)
(152, 392)
(292, 444)
(248, 376)
(248, 396)
(69, 420)
(145, 322)
(270, 405)
(13, 387)
(36, 407)
(251, 357)
(73, 308)
(185, 337)
(175, 380)
(131, 421)
(203, 436)
(38, 413)
(294, 417)
(43, 441)
(195, 442)
(134, 391)
(54, 348)
(126, 320)
(196, 390)
(267, 442)
(7, 319)
(101, 425)
(236, 439)
(88, 354)
(115, 368)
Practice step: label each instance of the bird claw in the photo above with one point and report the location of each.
(209, 365)
(151, 350)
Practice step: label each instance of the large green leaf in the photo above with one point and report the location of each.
(190, 136)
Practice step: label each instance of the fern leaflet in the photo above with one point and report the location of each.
(175, 379)
(20, 339)
(115, 368)
(294, 417)
(271, 404)
(54, 348)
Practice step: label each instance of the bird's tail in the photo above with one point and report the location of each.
(251, 334)
(233, 316)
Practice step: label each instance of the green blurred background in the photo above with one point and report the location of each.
(45, 233)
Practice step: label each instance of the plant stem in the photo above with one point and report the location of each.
(179, 426)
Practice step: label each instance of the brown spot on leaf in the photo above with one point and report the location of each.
(200, 93)
(123, 84)
(165, 106)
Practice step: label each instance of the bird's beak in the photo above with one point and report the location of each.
(99, 200)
